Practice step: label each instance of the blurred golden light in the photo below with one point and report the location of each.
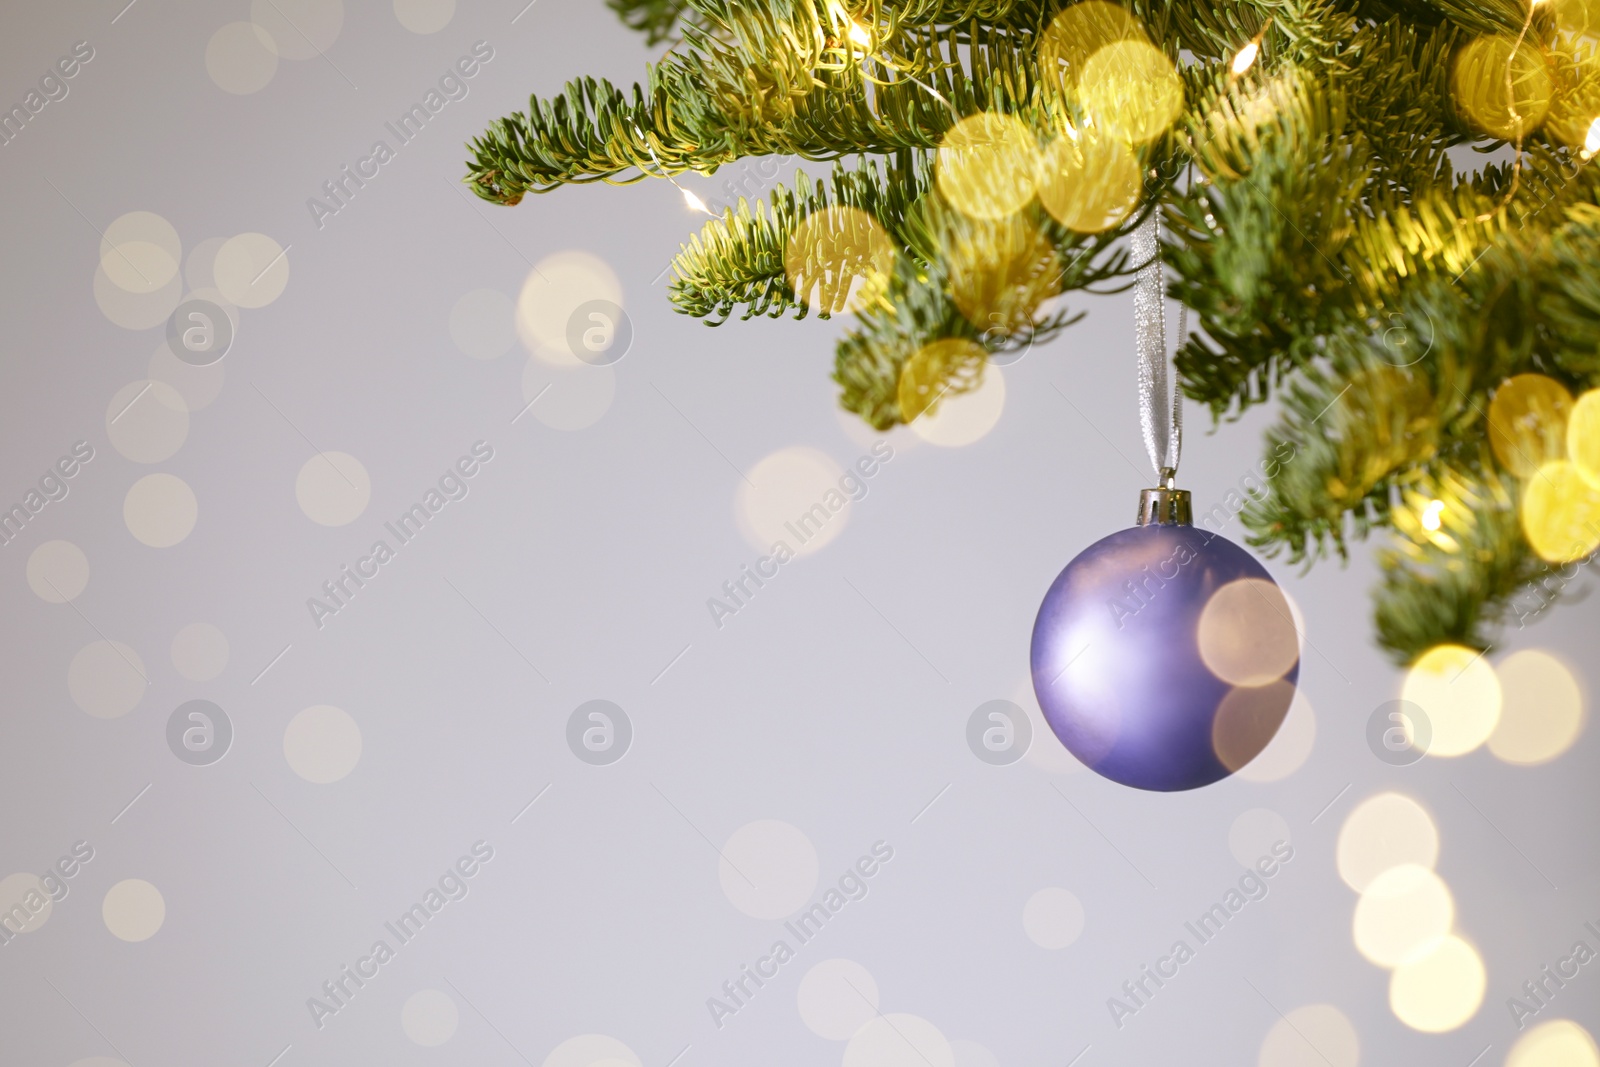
(1000, 271)
(943, 369)
(1528, 422)
(1246, 58)
(1458, 691)
(1583, 436)
(1561, 513)
(694, 202)
(858, 33)
(1077, 33)
(1316, 1035)
(1289, 748)
(1440, 990)
(793, 497)
(1247, 634)
(1089, 182)
(1384, 831)
(839, 259)
(965, 418)
(1543, 712)
(986, 165)
(1479, 83)
(1431, 514)
(1403, 915)
(1131, 89)
(1591, 140)
(1247, 720)
(1557, 1043)
(553, 292)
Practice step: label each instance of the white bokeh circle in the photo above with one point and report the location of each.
(251, 270)
(429, 1017)
(793, 493)
(333, 488)
(199, 652)
(241, 58)
(160, 510)
(58, 571)
(966, 418)
(899, 1040)
(1053, 918)
(1316, 1035)
(136, 311)
(134, 910)
(140, 252)
(972, 1054)
(1254, 833)
(106, 679)
(554, 290)
(322, 744)
(1290, 746)
(836, 998)
(768, 869)
(587, 1050)
(147, 421)
(24, 892)
(424, 16)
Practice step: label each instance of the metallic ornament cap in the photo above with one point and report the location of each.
(1165, 505)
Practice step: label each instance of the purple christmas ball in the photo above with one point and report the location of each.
(1165, 657)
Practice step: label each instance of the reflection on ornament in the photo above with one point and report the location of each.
(1479, 83)
(1118, 664)
(1561, 513)
(1077, 33)
(1583, 436)
(1528, 422)
(1132, 90)
(1089, 184)
(986, 165)
(839, 259)
(947, 367)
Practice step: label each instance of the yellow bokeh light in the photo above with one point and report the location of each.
(1000, 271)
(1557, 1043)
(1479, 84)
(1457, 690)
(1091, 183)
(1431, 515)
(1543, 712)
(1247, 720)
(839, 259)
(1247, 634)
(554, 291)
(793, 496)
(1131, 89)
(1583, 436)
(1384, 831)
(1528, 422)
(1077, 33)
(1403, 915)
(1441, 990)
(1245, 58)
(987, 164)
(1561, 513)
(941, 370)
(964, 419)
(1316, 1035)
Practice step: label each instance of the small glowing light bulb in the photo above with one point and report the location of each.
(694, 201)
(858, 33)
(1431, 515)
(1246, 58)
(1591, 143)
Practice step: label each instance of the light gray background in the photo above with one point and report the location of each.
(590, 555)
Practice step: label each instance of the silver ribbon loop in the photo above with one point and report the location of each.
(1160, 408)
